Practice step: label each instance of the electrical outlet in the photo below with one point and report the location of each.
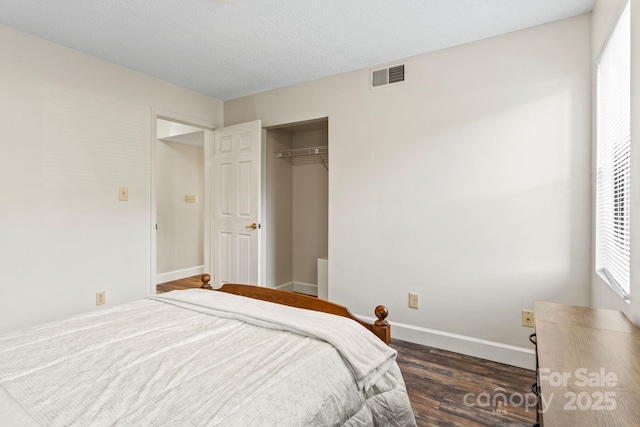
(528, 318)
(414, 300)
(100, 298)
(191, 198)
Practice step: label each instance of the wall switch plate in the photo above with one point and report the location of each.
(528, 318)
(414, 300)
(123, 194)
(100, 298)
(191, 198)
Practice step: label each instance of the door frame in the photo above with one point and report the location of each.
(208, 146)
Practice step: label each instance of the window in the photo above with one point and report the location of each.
(613, 145)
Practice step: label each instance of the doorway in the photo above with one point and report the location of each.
(179, 201)
(297, 205)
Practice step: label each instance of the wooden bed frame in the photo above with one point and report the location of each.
(380, 327)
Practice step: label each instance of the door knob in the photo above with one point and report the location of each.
(252, 226)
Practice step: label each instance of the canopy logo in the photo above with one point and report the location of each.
(588, 400)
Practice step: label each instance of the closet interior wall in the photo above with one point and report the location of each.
(297, 211)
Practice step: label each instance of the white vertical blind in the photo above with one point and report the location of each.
(613, 173)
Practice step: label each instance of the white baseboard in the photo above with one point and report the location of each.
(484, 349)
(286, 287)
(305, 288)
(179, 274)
(300, 287)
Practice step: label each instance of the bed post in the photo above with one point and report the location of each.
(205, 282)
(381, 327)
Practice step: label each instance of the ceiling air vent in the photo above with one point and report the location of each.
(387, 76)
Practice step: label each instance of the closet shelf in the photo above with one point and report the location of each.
(298, 152)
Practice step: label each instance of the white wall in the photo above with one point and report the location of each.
(469, 184)
(74, 129)
(603, 19)
(310, 208)
(279, 249)
(180, 235)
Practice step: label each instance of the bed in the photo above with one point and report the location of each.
(238, 356)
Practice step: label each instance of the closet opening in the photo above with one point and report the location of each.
(296, 206)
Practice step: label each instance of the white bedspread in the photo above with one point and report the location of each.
(200, 358)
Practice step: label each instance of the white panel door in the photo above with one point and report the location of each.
(236, 222)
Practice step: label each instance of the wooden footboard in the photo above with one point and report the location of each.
(380, 327)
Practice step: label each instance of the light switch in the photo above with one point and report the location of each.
(191, 198)
(414, 300)
(123, 194)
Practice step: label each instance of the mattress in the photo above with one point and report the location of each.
(200, 358)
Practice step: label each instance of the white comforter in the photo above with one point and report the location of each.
(200, 358)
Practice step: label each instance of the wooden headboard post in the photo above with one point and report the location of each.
(380, 327)
(205, 282)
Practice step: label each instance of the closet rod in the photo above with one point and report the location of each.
(296, 152)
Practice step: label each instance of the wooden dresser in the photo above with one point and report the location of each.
(588, 366)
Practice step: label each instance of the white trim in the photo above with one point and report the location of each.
(179, 274)
(286, 287)
(183, 119)
(305, 288)
(153, 160)
(209, 199)
(300, 287)
(476, 347)
(263, 217)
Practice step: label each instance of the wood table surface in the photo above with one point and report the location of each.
(589, 366)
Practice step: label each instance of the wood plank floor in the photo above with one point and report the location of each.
(443, 386)
(451, 389)
(189, 282)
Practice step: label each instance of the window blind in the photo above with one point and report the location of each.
(613, 172)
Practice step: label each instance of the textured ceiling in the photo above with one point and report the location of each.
(232, 48)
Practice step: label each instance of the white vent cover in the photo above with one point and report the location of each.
(387, 76)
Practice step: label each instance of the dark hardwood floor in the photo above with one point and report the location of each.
(189, 282)
(451, 389)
